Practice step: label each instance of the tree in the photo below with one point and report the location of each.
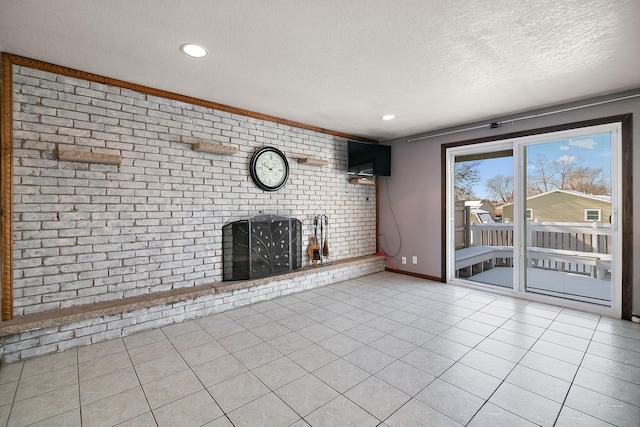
(564, 174)
(501, 188)
(466, 176)
(541, 178)
(588, 180)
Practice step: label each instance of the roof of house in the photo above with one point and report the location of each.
(601, 198)
(476, 204)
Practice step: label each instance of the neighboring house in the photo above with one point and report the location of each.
(564, 206)
(483, 205)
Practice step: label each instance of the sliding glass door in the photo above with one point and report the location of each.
(538, 215)
(568, 216)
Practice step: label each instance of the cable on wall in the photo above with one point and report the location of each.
(498, 124)
(382, 236)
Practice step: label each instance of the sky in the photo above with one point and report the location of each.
(593, 151)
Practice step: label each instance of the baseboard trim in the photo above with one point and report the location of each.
(419, 275)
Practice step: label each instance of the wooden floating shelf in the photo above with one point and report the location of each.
(314, 161)
(207, 147)
(365, 181)
(88, 157)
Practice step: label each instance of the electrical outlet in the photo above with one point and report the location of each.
(404, 259)
(415, 260)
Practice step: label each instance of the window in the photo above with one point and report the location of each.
(592, 214)
(528, 214)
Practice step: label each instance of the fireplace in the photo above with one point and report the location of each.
(262, 246)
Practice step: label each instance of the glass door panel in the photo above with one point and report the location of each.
(483, 184)
(566, 217)
(538, 215)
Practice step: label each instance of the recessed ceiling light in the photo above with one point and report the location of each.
(388, 117)
(194, 50)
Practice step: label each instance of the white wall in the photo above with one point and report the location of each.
(85, 233)
(415, 186)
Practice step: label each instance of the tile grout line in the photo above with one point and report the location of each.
(576, 374)
(79, 392)
(15, 392)
(138, 377)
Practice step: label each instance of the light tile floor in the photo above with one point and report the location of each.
(381, 350)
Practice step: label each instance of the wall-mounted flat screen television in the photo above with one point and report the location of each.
(369, 159)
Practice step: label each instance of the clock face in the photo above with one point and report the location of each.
(269, 168)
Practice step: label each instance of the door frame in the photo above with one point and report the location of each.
(626, 196)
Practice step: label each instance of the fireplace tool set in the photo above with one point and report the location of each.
(319, 249)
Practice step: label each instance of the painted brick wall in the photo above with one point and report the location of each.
(86, 233)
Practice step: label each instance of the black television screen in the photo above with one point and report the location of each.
(369, 159)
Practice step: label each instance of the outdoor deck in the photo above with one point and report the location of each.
(550, 282)
(567, 260)
(596, 265)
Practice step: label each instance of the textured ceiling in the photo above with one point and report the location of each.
(341, 64)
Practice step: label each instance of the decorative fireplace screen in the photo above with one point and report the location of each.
(262, 246)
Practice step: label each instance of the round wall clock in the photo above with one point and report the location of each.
(269, 168)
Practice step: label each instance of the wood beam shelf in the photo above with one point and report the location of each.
(313, 161)
(207, 147)
(88, 157)
(363, 181)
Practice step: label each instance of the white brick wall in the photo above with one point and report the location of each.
(86, 233)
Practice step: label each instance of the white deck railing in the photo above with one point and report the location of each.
(578, 247)
(572, 236)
